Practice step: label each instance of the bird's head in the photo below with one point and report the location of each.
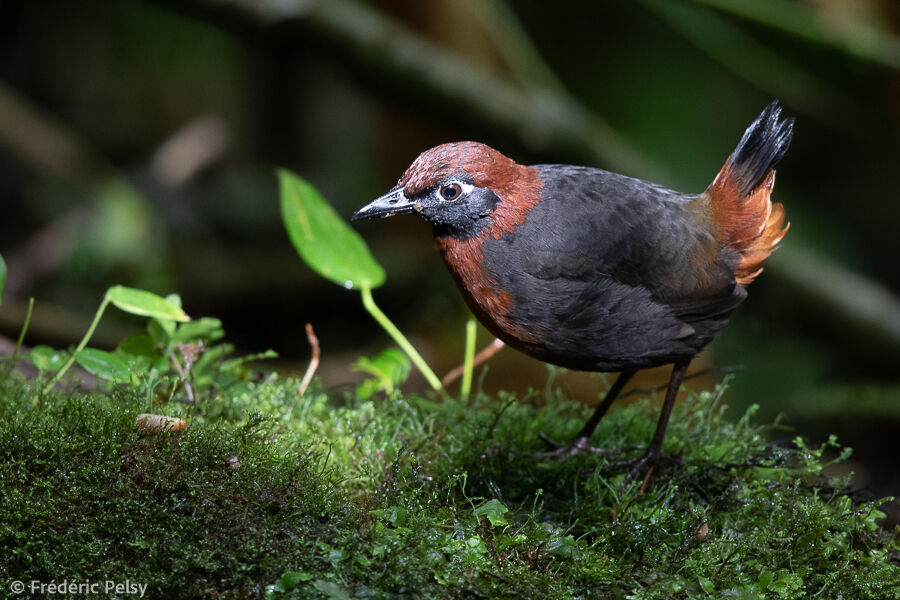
(459, 188)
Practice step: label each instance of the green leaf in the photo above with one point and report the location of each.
(395, 515)
(564, 546)
(46, 358)
(2, 277)
(163, 330)
(234, 363)
(210, 358)
(389, 369)
(323, 239)
(147, 304)
(103, 364)
(207, 329)
(330, 590)
(290, 580)
(139, 345)
(494, 510)
(159, 331)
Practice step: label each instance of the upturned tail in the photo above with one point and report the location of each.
(744, 216)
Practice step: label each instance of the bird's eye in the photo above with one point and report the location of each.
(451, 191)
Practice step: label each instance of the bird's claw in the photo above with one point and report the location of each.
(641, 466)
(560, 452)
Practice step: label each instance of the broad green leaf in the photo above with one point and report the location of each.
(103, 364)
(46, 358)
(2, 277)
(147, 304)
(323, 239)
(494, 510)
(563, 546)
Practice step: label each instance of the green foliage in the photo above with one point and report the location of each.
(102, 500)
(461, 504)
(494, 510)
(175, 353)
(381, 495)
(145, 304)
(104, 364)
(134, 301)
(46, 358)
(11, 360)
(323, 239)
(394, 496)
(335, 251)
(388, 370)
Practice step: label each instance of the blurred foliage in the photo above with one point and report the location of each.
(137, 141)
(2, 277)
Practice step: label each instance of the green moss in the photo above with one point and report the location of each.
(406, 497)
(89, 497)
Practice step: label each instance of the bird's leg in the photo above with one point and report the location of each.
(654, 450)
(580, 442)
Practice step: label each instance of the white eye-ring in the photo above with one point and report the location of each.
(453, 190)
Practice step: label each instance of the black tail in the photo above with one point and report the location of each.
(763, 145)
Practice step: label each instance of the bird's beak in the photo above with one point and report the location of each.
(393, 203)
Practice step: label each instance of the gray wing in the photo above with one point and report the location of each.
(617, 270)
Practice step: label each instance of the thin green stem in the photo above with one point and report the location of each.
(401, 340)
(468, 360)
(15, 354)
(81, 345)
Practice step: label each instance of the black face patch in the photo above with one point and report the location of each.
(462, 218)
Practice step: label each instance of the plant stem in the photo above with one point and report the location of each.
(468, 360)
(15, 354)
(81, 345)
(401, 340)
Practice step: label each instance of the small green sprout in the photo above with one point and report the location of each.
(130, 300)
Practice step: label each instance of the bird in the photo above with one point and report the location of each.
(596, 271)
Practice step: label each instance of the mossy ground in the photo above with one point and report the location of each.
(269, 493)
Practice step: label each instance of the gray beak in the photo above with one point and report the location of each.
(393, 203)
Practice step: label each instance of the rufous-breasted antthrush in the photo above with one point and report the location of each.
(596, 271)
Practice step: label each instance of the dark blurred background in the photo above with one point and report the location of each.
(138, 142)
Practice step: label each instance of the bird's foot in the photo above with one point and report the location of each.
(641, 467)
(579, 445)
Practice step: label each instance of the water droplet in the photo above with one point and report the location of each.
(348, 284)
